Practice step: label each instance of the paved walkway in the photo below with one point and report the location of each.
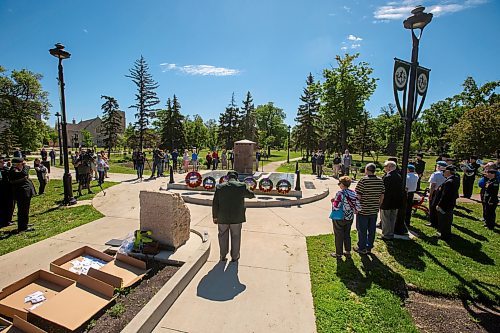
(267, 291)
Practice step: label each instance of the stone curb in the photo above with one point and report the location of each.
(263, 204)
(153, 312)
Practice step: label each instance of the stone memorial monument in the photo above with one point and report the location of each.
(244, 156)
(167, 216)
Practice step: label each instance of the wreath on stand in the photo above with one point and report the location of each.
(193, 179)
(209, 183)
(283, 186)
(266, 185)
(251, 183)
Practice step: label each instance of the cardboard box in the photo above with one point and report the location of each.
(122, 271)
(21, 326)
(77, 304)
(12, 297)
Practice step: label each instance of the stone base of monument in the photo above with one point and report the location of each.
(275, 177)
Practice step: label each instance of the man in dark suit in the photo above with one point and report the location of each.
(23, 190)
(6, 198)
(393, 199)
(446, 199)
(228, 212)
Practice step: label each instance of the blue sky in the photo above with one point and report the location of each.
(204, 50)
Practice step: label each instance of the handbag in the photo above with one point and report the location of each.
(337, 214)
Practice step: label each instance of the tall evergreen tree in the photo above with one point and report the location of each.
(171, 127)
(248, 122)
(228, 124)
(111, 122)
(145, 97)
(308, 120)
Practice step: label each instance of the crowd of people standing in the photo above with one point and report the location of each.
(384, 196)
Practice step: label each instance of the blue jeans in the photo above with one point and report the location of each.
(140, 170)
(366, 226)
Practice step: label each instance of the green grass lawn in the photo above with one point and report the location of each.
(367, 293)
(49, 218)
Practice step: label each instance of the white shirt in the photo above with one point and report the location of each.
(437, 178)
(411, 181)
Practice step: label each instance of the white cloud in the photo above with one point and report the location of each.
(354, 38)
(347, 9)
(85, 30)
(203, 70)
(343, 48)
(355, 46)
(399, 10)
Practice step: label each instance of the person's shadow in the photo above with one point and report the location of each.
(221, 283)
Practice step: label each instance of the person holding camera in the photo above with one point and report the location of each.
(23, 191)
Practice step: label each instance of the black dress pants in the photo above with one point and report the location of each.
(23, 212)
(490, 215)
(468, 184)
(444, 223)
(409, 209)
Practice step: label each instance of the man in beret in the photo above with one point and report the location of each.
(23, 190)
(228, 212)
(446, 198)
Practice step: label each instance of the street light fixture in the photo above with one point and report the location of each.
(288, 145)
(62, 54)
(418, 21)
(58, 115)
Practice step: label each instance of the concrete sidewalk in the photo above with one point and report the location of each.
(267, 290)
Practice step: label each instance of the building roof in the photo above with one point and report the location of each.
(82, 125)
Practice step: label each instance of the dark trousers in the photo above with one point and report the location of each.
(6, 210)
(433, 217)
(313, 165)
(101, 177)
(23, 212)
(174, 164)
(409, 209)
(490, 215)
(140, 170)
(444, 223)
(41, 187)
(153, 170)
(53, 161)
(224, 230)
(342, 232)
(468, 184)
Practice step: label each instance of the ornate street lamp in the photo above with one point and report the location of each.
(58, 115)
(415, 86)
(62, 54)
(288, 146)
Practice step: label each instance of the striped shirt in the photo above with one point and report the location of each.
(370, 188)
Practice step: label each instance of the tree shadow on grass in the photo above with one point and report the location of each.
(459, 213)
(408, 253)
(376, 272)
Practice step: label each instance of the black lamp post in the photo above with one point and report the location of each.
(418, 20)
(288, 146)
(61, 54)
(58, 115)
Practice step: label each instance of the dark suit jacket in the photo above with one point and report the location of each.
(21, 184)
(393, 195)
(229, 202)
(447, 193)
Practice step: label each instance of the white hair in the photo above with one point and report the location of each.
(390, 164)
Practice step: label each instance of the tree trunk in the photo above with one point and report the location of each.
(343, 135)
